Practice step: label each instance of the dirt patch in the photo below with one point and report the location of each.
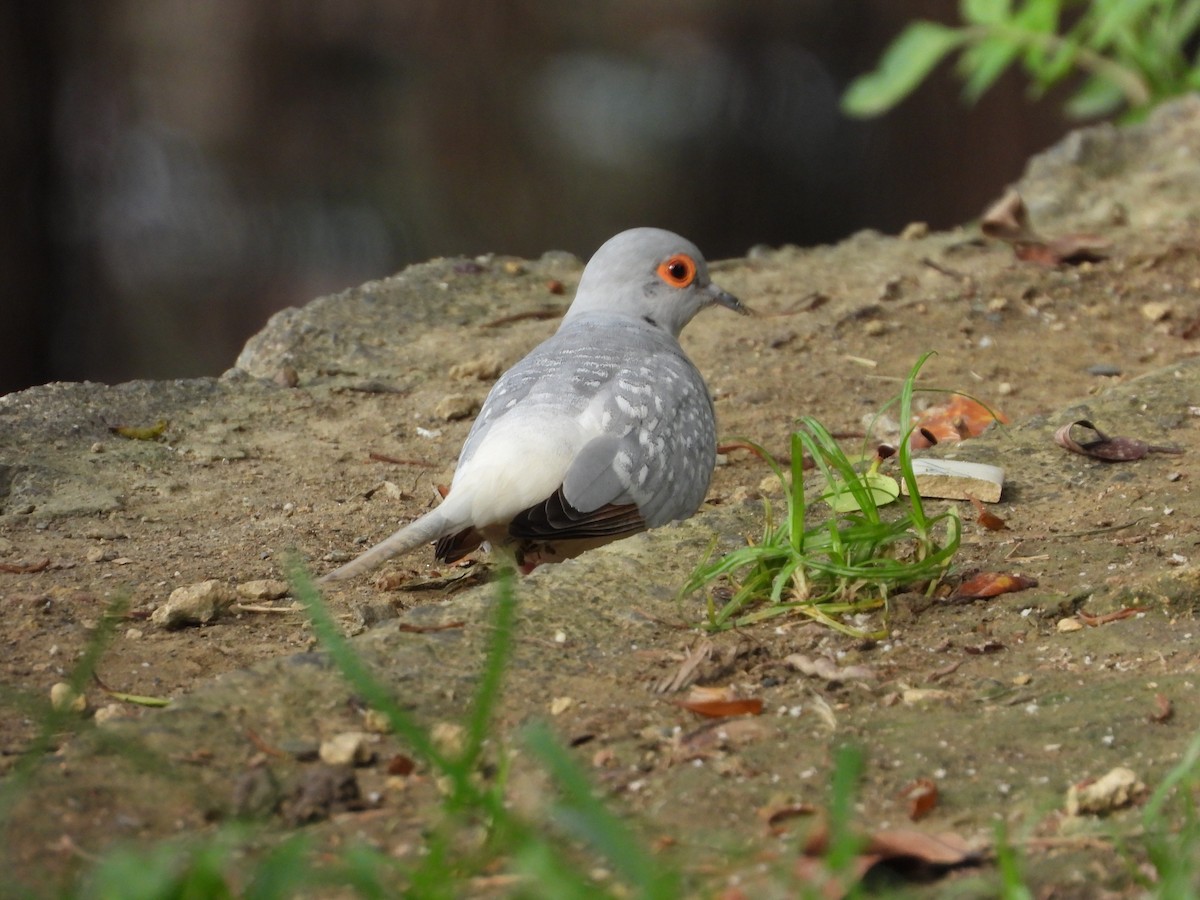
(275, 455)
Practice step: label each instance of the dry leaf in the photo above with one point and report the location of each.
(686, 672)
(26, 568)
(1163, 709)
(1008, 220)
(922, 797)
(824, 667)
(1123, 613)
(913, 854)
(719, 702)
(714, 738)
(986, 517)
(957, 419)
(1105, 448)
(985, 647)
(991, 584)
(777, 813)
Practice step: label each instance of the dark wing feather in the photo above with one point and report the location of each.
(454, 547)
(556, 519)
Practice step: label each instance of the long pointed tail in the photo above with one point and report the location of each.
(429, 527)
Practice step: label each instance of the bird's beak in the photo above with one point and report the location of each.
(727, 300)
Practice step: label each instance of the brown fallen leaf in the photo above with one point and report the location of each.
(922, 797)
(958, 418)
(986, 517)
(985, 647)
(991, 584)
(26, 568)
(719, 702)
(1008, 220)
(395, 461)
(1105, 448)
(1163, 709)
(549, 312)
(700, 653)
(714, 739)
(777, 813)
(1104, 619)
(400, 764)
(913, 854)
(1071, 249)
(429, 629)
(826, 668)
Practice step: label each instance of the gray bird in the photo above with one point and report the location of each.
(603, 430)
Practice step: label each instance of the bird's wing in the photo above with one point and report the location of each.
(656, 447)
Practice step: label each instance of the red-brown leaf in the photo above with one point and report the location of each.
(991, 584)
(986, 518)
(922, 797)
(957, 419)
(720, 708)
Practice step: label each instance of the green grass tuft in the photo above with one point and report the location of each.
(845, 564)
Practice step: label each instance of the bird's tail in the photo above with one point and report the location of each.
(429, 527)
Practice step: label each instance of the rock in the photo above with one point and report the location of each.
(194, 604)
(485, 368)
(64, 699)
(112, 713)
(263, 589)
(320, 792)
(1115, 789)
(377, 722)
(350, 748)
(453, 407)
(1157, 310)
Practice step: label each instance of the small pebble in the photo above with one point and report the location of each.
(484, 368)
(453, 407)
(377, 722)
(1117, 788)
(1156, 310)
(560, 705)
(875, 327)
(113, 712)
(64, 699)
(350, 748)
(263, 589)
(194, 604)
(287, 376)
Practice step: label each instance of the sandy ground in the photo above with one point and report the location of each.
(277, 454)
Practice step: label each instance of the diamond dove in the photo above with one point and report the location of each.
(602, 431)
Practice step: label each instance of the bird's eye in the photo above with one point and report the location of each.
(678, 271)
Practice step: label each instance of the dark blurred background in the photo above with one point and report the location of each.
(173, 172)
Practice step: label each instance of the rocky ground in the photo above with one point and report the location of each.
(1002, 703)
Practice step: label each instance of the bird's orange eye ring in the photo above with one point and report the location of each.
(678, 271)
